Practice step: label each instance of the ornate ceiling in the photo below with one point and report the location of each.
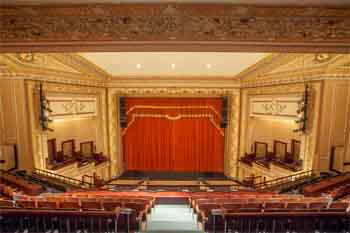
(276, 68)
(178, 64)
(246, 2)
(175, 27)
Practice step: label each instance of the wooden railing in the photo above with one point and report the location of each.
(284, 180)
(63, 179)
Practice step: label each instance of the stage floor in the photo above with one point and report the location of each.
(169, 175)
(168, 181)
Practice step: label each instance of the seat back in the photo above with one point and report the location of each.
(91, 205)
(69, 205)
(274, 206)
(296, 205)
(6, 203)
(25, 204)
(47, 204)
(317, 205)
(111, 205)
(338, 206)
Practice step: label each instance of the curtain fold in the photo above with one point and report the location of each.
(173, 134)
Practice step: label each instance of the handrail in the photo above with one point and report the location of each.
(284, 179)
(64, 179)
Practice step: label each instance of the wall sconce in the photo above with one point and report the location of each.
(302, 112)
(44, 110)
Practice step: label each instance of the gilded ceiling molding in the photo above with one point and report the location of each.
(169, 82)
(299, 70)
(135, 27)
(81, 64)
(59, 68)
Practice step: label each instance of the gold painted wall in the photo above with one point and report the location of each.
(14, 124)
(335, 122)
(265, 132)
(80, 130)
(268, 130)
(93, 128)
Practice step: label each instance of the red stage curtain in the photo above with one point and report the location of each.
(174, 134)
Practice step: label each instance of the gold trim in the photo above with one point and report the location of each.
(174, 118)
(173, 107)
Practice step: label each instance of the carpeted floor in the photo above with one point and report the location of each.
(171, 219)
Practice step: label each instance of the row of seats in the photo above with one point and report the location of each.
(207, 207)
(21, 184)
(326, 185)
(70, 206)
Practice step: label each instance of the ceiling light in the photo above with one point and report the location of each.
(208, 66)
(173, 66)
(138, 66)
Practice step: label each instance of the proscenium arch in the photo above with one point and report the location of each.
(174, 27)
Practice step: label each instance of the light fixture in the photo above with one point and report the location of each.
(138, 66)
(208, 66)
(44, 110)
(302, 112)
(173, 66)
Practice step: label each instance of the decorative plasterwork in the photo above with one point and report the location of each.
(70, 107)
(231, 132)
(39, 137)
(279, 107)
(295, 68)
(61, 68)
(164, 26)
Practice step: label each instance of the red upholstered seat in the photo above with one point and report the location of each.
(111, 205)
(317, 206)
(338, 207)
(26, 204)
(274, 206)
(47, 204)
(69, 205)
(91, 205)
(6, 204)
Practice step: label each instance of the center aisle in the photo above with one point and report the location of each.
(172, 218)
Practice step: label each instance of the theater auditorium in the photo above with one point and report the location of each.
(174, 116)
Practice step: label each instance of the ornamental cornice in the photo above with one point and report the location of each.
(175, 91)
(132, 26)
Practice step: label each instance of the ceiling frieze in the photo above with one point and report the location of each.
(99, 27)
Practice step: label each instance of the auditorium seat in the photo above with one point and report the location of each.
(26, 204)
(6, 204)
(274, 206)
(317, 206)
(296, 206)
(338, 207)
(68, 205)
(252, 207)
(91, 205)
(111, 205)
(47, 205)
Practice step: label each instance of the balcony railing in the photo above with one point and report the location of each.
(284, 180)
(63, 179)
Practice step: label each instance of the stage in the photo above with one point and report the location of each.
(168, 175)
(172, 181)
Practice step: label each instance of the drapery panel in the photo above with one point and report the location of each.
(173, 134)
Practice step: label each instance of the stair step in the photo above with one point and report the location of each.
(172, 218)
